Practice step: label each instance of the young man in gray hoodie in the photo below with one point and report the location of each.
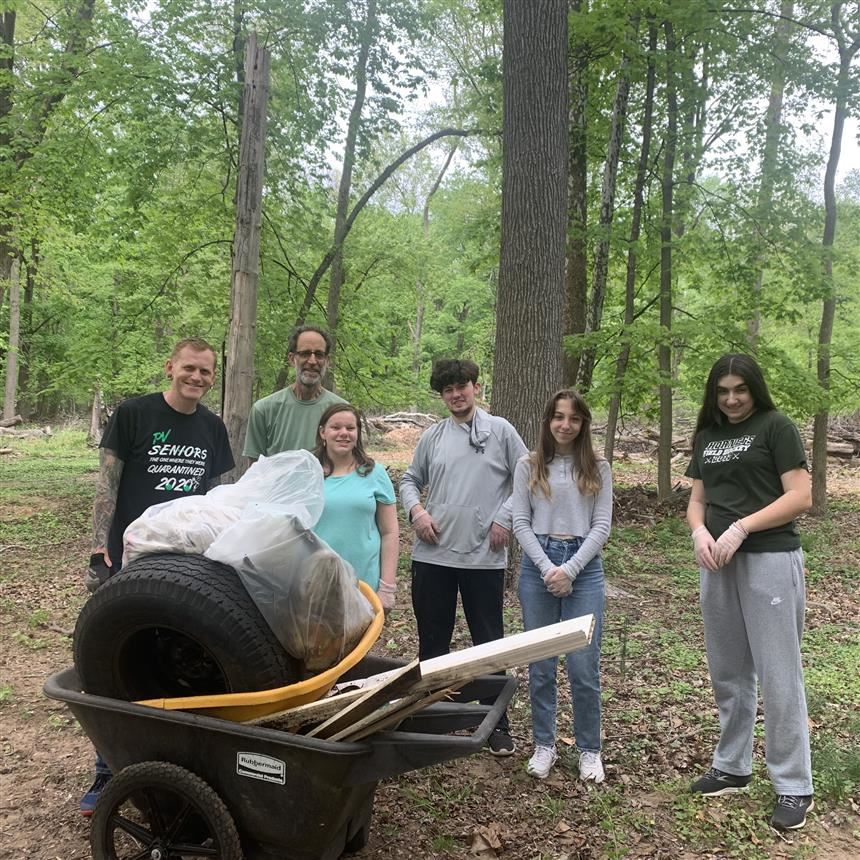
(466, 464)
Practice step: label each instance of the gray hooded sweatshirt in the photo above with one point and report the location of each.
(468, 474)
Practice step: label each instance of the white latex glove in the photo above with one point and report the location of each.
(703, 546)
(557, 582)
(728, 543)
(386, 593)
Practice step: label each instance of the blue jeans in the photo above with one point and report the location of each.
(541, 608)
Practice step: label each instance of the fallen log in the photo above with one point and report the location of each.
(11, 422)
(41, 433)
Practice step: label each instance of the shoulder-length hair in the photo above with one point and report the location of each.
(584, 458)
(732, 364)
(363, 463)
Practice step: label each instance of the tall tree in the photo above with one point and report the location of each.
(770, 155)
(632, 255)
(847, 38)
(368, 31)
(664, 346)
(239, 372)
(600, 269)
(534, 211)
(576, 258)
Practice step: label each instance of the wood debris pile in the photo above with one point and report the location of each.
(357, 709)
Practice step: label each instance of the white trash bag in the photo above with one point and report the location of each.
(290, 483)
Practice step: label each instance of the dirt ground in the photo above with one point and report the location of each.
(480, 806)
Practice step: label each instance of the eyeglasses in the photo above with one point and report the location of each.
(305, 354)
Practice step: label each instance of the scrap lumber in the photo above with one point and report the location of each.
(458, 668)
(380, 694)
(391, 714)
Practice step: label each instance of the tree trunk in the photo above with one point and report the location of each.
(576, 258)
(772, 131)
(25, 399)
(600, 271)
(239, 371)
(11, 390)
(534, 211)
(828, 311)
(664, 348)
(95, 432)
(420, 298)
(635, 227)
(345, 186)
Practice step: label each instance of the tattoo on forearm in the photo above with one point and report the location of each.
(107, 488)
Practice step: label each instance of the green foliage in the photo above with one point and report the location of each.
(121, 195)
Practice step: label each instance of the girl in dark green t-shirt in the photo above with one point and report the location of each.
(750, 481)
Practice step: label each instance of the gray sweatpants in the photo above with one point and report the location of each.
(753, 611)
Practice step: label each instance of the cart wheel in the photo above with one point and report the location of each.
(160, 811)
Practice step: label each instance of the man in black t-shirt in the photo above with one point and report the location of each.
(156, 448)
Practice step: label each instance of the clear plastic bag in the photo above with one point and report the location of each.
(290, 483)
(306, 592)
(187, 525)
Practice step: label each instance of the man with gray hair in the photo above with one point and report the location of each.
(288, 419)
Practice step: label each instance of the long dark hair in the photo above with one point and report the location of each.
(363, 464)
(734, 364)
(584, 459)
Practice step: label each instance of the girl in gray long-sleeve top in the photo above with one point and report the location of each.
(562, 512)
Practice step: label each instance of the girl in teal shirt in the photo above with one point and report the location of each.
(359, 521)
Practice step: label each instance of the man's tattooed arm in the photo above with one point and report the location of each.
(107, 487)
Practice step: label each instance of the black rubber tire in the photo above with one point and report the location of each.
(156, 806)
(176, 625)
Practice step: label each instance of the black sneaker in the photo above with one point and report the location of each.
(500, 742)
(715, 782)
(790, 811)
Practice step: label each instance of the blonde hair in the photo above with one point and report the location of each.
(585, 460)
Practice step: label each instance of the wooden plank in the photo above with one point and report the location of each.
(372, 698)
(517, 650)
(395, 714)
(381, 714)
(461, 666)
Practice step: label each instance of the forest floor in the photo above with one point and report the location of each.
(659, 718)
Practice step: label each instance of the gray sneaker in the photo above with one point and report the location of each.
(790, 811)
(715, 782)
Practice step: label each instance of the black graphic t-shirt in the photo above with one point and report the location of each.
(741, 466)
(166, 454)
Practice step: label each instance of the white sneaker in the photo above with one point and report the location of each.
(541, 762)
(591, 767)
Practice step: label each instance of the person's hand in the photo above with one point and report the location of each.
(728, 543)
(425, 527)
(386, 593)
(499, 536)
(703, 547)
(98, 572)
(557, 581)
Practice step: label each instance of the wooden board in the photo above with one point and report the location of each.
(400, 681)
(460, 666)
(392, 715)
